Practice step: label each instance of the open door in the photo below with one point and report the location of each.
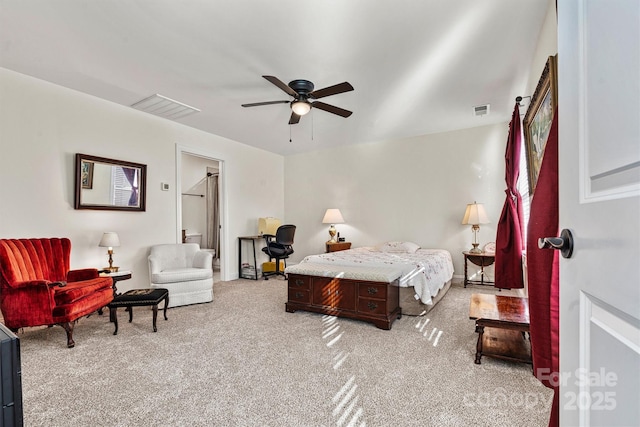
(599, 165)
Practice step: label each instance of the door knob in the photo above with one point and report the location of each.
(564, 243)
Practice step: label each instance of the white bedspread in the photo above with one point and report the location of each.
(427, 270)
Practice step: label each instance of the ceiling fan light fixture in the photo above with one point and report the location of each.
(302, 91)
(301, 107)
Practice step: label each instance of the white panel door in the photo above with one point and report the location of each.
(599, 150)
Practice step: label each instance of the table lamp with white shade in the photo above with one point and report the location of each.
(332, 216)
(475, 215)
(110, 240)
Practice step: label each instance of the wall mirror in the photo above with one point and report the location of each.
(109, 184)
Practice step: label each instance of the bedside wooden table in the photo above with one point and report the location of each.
(482, 260)
(338, 246)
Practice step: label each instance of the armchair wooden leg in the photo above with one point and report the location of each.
(68, 327)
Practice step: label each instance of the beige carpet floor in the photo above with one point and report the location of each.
(243, 361)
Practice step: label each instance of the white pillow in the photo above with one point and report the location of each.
(398, 247)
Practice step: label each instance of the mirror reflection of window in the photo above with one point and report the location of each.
(124, 187)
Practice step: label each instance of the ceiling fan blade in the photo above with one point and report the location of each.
(332, 109)
(276, 81)
(294, 119)
(331, 90)
(257, 104)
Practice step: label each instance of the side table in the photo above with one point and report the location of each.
(338, 246)
(482, 260)
(250, 272)
(117, 277)
(502, 324)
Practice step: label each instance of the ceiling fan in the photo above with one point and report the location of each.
(304, 97)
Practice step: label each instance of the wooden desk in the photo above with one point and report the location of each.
(482, 260)
(338, 246)
(506, 320)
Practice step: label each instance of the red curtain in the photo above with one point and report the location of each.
(543, 273)
(508, 263)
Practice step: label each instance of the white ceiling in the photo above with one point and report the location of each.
(417, 66)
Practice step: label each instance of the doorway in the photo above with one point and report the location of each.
(201, 203)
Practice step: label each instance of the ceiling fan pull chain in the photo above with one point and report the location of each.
(290, 134)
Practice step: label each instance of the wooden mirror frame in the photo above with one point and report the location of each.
(86, 181)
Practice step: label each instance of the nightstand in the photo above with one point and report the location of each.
(338, 246)
(482, 260)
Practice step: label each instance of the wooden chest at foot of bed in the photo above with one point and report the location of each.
(370, 301)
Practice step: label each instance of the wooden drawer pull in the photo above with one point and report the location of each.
(372, 291)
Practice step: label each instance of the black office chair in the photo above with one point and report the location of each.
(279, 247)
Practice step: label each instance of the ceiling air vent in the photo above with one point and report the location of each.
(481, 110)
(164, 107)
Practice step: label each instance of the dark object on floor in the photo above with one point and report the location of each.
(11, 377)
(139, 298)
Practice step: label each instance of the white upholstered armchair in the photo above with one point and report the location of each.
(183, 269)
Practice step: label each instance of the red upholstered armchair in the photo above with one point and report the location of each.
(37, 288)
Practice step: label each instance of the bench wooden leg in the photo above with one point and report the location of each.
(113, 316)
(166, 304)
(155, 316)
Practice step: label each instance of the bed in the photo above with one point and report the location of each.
(426, 273)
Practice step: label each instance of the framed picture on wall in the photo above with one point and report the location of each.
(537, 121)
(87, 175)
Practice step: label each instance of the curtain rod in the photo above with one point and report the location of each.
(189, 194)
(519, 100)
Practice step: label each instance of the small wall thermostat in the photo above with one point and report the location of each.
(164, 186)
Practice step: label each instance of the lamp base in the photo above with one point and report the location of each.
(475, 249)
(332, 234)
(112, 269)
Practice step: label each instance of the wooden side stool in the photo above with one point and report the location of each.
(139, 298)
(502, 324)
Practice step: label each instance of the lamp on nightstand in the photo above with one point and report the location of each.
(475, 215)
(110, 240)
(332, 216)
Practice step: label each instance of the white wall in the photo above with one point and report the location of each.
(547, 46)
(412, 189)
(43, 125)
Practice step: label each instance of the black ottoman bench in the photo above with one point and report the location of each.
(139, 298)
